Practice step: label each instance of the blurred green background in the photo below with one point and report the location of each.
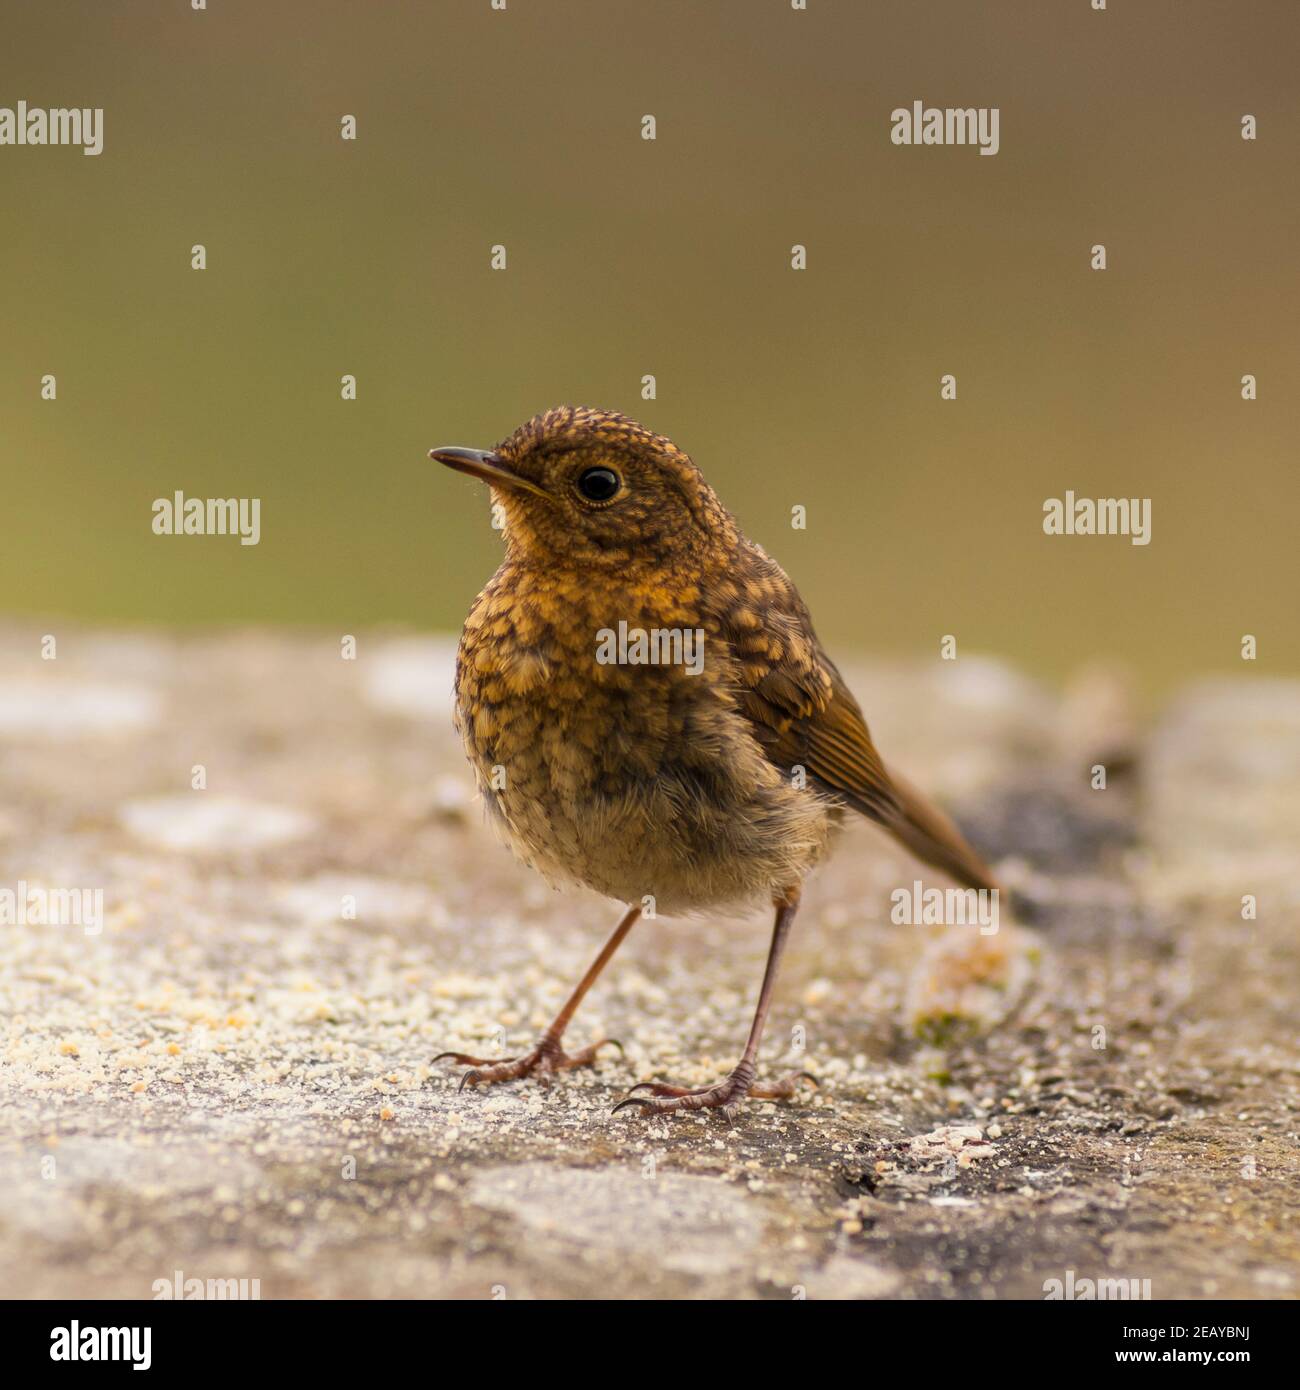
(628, 257)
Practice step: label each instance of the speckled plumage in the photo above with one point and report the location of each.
(648, 783)
(643, 780)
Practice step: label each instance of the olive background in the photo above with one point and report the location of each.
(671, 257)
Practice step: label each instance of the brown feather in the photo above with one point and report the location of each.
(804, 715)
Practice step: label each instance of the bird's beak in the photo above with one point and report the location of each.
(479, 463)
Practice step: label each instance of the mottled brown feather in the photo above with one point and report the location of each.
(804, 715)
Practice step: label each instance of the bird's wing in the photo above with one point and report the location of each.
(804, 715)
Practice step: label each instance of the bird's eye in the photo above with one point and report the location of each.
(598, 484)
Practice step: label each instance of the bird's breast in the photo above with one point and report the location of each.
(606, 738)
(586, 684)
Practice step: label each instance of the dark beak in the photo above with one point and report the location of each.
(479, 463)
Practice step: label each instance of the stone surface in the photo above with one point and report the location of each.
(232, 1076)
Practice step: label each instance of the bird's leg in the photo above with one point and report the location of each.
(664, 1099)
(548, 1056)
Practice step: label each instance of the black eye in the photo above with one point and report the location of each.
(598, 484)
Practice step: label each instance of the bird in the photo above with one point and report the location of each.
(648, 713)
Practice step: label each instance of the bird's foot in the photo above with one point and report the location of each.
(664, 1099)
(547, 1058)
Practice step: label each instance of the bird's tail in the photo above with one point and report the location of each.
(932, 836)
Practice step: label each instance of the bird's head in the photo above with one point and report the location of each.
(591, 487)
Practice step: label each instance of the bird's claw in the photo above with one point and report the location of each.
(547, 1058)
(665, 1099)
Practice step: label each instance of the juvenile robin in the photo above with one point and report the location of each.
(648, 711)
